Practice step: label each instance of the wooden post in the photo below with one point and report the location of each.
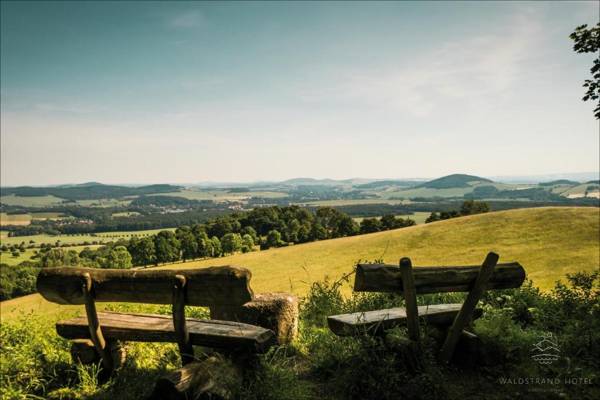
(179, 324)
(410, 297)
(466, 312)
(94, 323)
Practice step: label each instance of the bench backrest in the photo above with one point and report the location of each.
(388, 278)
(227, 286)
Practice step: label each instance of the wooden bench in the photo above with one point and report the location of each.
(410, 282)
(217, 288)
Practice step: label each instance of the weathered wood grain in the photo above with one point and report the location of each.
(93, 324)
(410, 298)
(388, 278)
(208, 379)
(226, 285)
(159, 328)
(275, 311)
(466, 312)
(374, 322)
(186, 350)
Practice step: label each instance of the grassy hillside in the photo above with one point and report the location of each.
(35, 362)
(548, 242)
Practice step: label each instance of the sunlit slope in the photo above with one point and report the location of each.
(548, 242)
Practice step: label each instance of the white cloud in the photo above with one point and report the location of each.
(467, 69)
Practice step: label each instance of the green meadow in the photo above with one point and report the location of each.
(549, 242)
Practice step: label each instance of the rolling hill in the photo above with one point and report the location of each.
(549, 242)
(454, 181)
(88, 191)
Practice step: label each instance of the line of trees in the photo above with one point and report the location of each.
(264, 227)
(468, 207)
(239, 232)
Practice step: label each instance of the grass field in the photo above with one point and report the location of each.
(450, 192)
(7, 258)
(130, 234)
(548, 242)
(25, 219)
(47, 215)
(43, 238)
(352, 202)
(104, 202)
(222, 195)
(580, 190)
(15, 219)
(125, 214)
(76, 239)
(30, 201)
(419, 217)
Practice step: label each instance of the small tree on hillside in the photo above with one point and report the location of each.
(248, 230)
(471, 207)
(118, 258)
(370, 225)
(217, 250)
(273, 240)
(231, 242)
(389, 221)
(189, 245)
(247, 243)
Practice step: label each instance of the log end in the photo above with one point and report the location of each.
(213, 378)
(275, 311)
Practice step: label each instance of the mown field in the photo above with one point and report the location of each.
(549, 242)
(26, 219)
(14, 219)
(76, 239)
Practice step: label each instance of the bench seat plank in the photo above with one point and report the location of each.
(159, 328)
(373, 322)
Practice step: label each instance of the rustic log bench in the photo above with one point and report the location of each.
(422, 280)
(219, 288)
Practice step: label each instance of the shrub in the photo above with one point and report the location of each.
(17, 280)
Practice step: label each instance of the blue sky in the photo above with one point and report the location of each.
(237, 91)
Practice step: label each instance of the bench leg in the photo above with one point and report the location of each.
(410, 297)
(94, 324)
(83, 351)
(466, 312)
(179, 324)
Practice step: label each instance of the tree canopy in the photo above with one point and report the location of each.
(587, 40)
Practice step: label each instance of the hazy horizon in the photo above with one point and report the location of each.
(241, 92)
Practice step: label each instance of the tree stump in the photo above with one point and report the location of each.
(214, 378)
(275, 311)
